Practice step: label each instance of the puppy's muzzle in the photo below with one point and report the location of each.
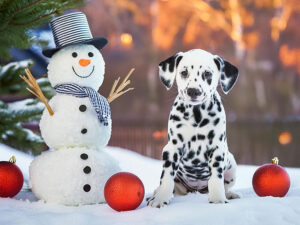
(194, 93)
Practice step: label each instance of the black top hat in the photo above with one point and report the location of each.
(70, 29)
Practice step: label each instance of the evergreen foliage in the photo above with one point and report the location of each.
(17, 18)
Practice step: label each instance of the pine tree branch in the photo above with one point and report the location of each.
(18, 11)
(35, 20)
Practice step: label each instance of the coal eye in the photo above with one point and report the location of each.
(74, 54)
(184, 73)
(90, 54)
(207, 75)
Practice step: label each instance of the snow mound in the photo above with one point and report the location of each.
(190, 209)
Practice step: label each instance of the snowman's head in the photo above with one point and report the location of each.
(81, 64)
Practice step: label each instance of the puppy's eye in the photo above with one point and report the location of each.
(207, 74)
(90, 54)
(184, 73)
(74, 54)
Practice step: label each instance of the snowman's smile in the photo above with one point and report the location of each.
(82, 76)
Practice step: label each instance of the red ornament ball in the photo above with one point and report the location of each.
(124, 191)
(271, 180)
(11, 179)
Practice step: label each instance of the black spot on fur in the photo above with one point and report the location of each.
(221, 137)
(209, 152)
(181, 108)
(170, 61)
(174, 117)
(211, 136)
(231, 73)
(217, 63)
(218, 158)
(166, 82)
(210, 106)
(197, 114)
(186, 115)
(200, 137)
(189, 144)
(216, 121)
(172, 173)
(179, 173)
(220, 176)
(178, 60)
(165, 156)
(171, 131)
(199, 150)
(203, 106)
(167, 164)
(191, 154)
(219, 106)
(220, 170)
(204, 122)
(192, 67)
(212, 114)
(175, 157)
(178, 125)
(196, 161)
(180, 137)
(174, 141)
(216, 164)
(162, 174)
(209, 81)
(193, 138)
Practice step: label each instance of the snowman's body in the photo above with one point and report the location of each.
(77, 169)
(72, 176)
(74, 124)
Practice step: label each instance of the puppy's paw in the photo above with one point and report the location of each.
(232, 195)
(159, 199)
(217, 199)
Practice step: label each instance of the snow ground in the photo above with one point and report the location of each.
(190, 209)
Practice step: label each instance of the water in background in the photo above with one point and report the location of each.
(250, 142)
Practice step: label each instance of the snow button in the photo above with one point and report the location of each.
(82, 108)
(86, 187)
(84, 156)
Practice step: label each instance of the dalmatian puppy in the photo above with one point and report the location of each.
(196, 157)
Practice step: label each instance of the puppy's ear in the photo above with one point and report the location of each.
(167, 69)
(228, 74)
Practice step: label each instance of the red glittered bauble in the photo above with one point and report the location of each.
(271, 180)
(11, 178)
(124, 191)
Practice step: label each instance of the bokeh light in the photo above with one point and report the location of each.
(285, 138)
(126, 40)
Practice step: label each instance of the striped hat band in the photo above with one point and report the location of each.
(70, 28)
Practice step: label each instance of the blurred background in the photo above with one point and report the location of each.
(260, 37)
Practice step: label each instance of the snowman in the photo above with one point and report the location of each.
(77, 124)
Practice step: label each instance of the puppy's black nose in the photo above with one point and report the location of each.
(193, 92)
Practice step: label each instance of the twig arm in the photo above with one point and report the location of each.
(36, 90)
(114, 94)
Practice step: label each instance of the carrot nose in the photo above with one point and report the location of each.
(84, 62)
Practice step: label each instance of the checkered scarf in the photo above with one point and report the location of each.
(100, 103)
